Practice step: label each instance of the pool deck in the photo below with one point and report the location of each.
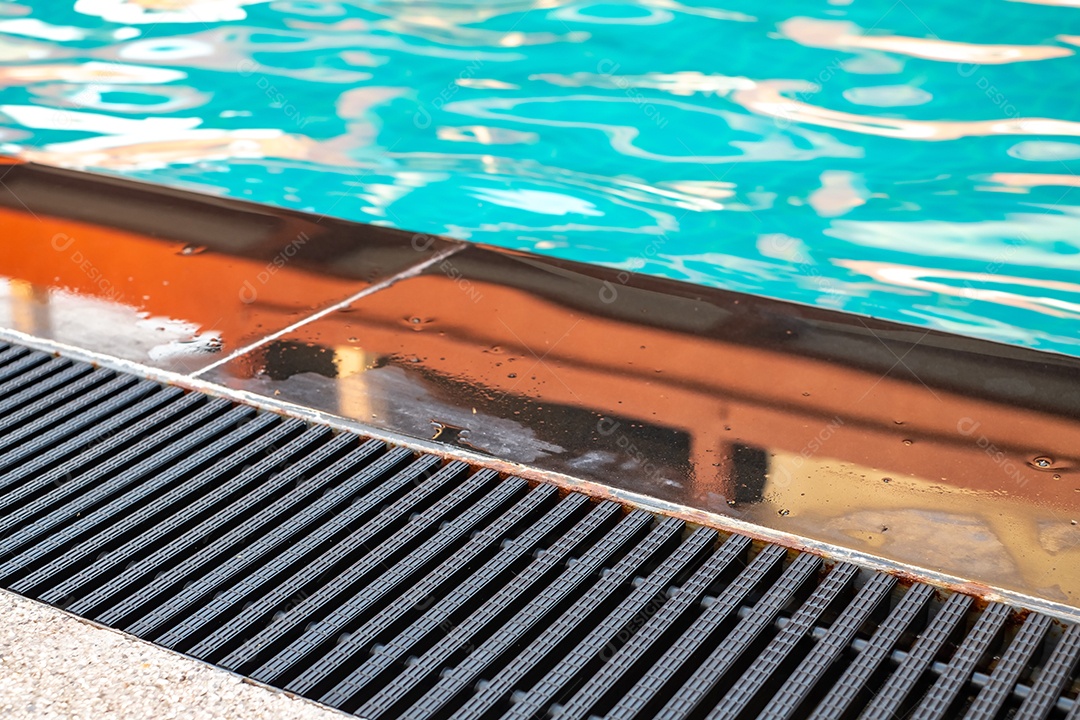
(55, 665)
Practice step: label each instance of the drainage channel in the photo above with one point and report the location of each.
(390, 583)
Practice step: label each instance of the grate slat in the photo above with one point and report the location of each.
(683, 598)
(326, 602)
(769, 661)
(85, 426)
(843, 693)
(34, 376)
(948, 685)
(1054, 677)
(903, 680)
(114, 516)
(275, 567)
(84, 481)
(41, 471)
(681, 651)
(722, 658)
(826, 652)
(513, 550)
(500, 686)
(47, 412)
(992, 697)
(395, 692)
(300, 581)
(9, 353)
(165, 579)
(386, 585)
(454, 680)
(143, 480)
(168, 523)
(278, 524)
(21, 360)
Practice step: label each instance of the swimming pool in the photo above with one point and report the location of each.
(906, 160)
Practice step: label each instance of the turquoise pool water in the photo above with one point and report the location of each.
(907, 160)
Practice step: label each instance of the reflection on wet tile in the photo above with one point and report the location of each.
(171, 279)
(951, 454)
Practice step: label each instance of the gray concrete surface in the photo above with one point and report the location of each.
(53, 665)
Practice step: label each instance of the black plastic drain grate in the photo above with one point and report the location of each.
(393, 584)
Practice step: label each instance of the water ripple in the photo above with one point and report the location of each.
(893, 159)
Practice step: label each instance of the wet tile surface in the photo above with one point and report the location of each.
(169, 278)
(951, 454)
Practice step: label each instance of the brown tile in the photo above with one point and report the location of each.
(951, 454)
(170, 278)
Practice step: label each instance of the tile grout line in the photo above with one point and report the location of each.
(370, 290)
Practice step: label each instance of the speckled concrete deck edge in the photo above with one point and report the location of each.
(55, 665)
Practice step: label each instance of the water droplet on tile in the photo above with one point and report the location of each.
(1042, 462)
(418, 323)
